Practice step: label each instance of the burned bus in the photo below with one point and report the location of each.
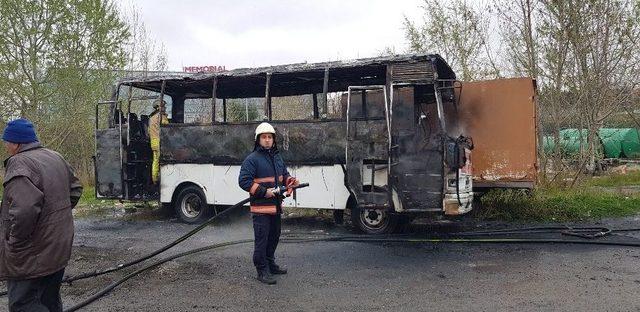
(371, 136)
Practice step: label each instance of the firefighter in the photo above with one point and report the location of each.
(261, 172)
(40, 190)
(159, 115)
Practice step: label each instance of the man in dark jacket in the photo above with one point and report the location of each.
(40, 190)
(261, 172)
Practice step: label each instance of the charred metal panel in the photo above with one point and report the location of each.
(417, 166)
(367, 145)
(413, 72)
(205, 144)
(300, 143)
(417, 154)
(108, 167)
(500, 116)
(296, 79)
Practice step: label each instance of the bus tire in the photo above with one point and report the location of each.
(373, 221)
(190, 205)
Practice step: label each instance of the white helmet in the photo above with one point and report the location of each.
(264, 127)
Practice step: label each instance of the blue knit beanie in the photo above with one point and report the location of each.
(20, 131)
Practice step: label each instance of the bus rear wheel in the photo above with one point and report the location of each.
(373, 221)
(191, 206)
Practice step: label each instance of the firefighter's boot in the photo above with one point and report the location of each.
(265, 277)
(276, 269)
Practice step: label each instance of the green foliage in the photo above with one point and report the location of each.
(614, 180)
(56, 61)
(556, 205)
(88, 196)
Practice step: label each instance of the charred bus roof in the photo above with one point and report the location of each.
(302, 78)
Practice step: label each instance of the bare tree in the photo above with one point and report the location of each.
(518, 17)
(604, 38)
(459, 33)
(144, 52)
(535, 40)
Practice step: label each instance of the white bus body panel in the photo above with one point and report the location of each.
(171, 176)
(326, 188)
(220, 185)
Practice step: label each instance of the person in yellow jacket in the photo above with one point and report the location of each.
(159, 115)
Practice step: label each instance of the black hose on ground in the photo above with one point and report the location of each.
(583, 232)
(70, 279)
(115, 284)
(574, 231)
(366, 238)
(182, 238)
(565, 230)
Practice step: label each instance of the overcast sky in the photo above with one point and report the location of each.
(243, 33)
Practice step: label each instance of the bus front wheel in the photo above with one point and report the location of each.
(373, 221)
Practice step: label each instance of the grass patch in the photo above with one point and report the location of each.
(614, 180)
(553, 205)
(90, 206)
(89, 200)
(88, 195)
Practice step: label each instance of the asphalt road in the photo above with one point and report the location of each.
(350, 276)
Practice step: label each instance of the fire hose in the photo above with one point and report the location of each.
(347, 238)
(277, 191)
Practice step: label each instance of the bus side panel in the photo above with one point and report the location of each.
(326, 187)
(227, 190)
(225, 185)
(300, 143)
(341, 193)
(171, 176)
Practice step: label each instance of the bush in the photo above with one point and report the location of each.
(555, 205)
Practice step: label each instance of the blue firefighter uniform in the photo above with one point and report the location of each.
(261, 170)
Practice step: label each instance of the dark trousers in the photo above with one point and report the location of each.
(40, 294)
(266, 231)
